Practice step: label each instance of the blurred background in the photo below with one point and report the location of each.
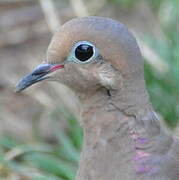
(40, 138)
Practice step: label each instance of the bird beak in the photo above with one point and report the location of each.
(38, 74)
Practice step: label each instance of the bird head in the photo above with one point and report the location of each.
(87, 54)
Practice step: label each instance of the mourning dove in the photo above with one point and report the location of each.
(99, 59)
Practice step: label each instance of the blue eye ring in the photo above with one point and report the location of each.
(90, 46)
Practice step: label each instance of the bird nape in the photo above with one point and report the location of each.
(99, 59)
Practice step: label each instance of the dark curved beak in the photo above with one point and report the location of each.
(38, 74)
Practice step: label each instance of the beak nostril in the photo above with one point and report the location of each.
(39, 73)
(42, 69)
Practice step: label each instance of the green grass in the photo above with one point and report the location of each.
(40, 160)
(164, 88)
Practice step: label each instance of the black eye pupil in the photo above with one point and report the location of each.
(84, 52)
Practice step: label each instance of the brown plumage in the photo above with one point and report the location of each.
(123, 138)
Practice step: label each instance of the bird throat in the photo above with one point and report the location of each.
(114, 143)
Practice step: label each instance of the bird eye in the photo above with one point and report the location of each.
(84, 52)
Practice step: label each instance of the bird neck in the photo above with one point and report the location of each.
(113, 133)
